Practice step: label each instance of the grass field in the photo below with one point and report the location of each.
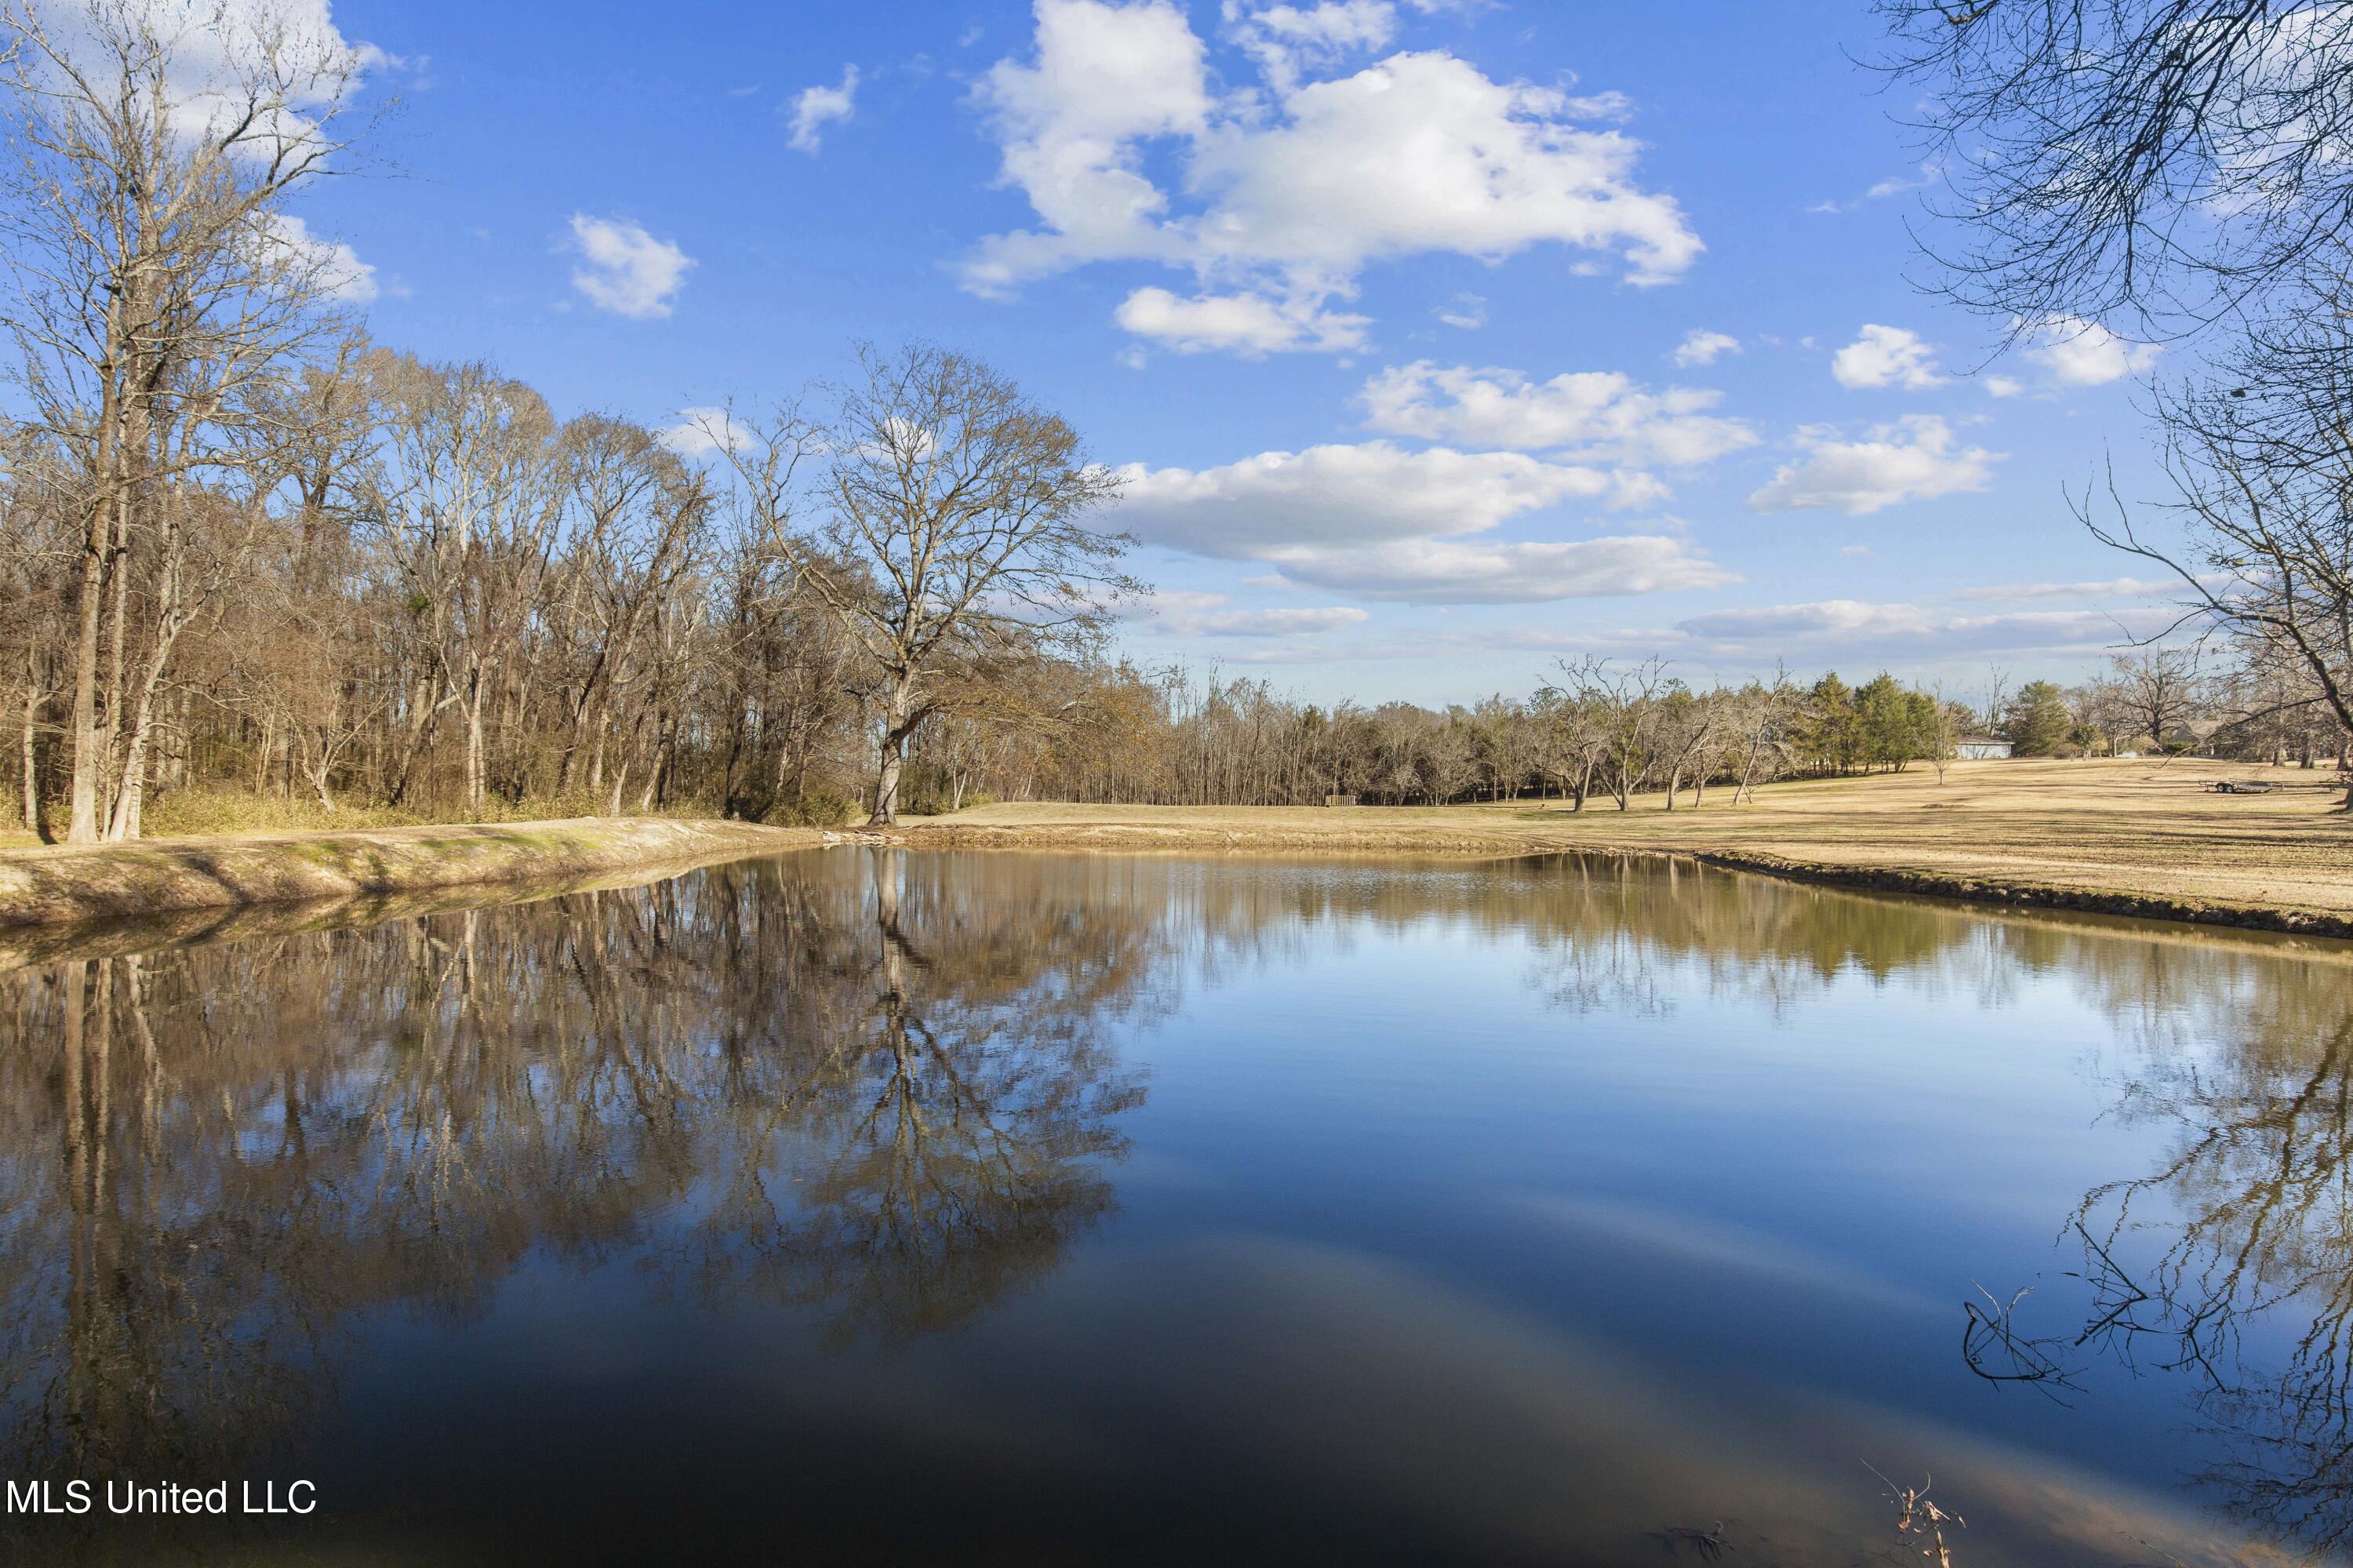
(2126, 829)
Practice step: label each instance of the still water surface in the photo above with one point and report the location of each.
(869, 1206)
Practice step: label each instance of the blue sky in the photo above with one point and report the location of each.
(1438, 341)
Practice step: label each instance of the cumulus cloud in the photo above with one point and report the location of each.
(1915, 459)
(1599, 415)
(1374, 521)
(2084, 354)
(703, 433)
(1701, 346)
(1352, 495)
(1289, 192)
(626, 270)
(335, 266)
(2003, 386)
(1246, 323)
(1886, 356)
(815, 107)
(1286, 40)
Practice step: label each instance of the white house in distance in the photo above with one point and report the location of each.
(1970, 747)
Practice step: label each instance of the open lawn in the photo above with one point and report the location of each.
(2136, 836)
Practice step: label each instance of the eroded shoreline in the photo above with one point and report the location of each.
(159, 877)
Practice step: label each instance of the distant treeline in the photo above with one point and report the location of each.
(258, 568)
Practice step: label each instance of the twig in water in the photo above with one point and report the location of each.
(1996, 1351)
(1920, 1524)
(1709, 1543)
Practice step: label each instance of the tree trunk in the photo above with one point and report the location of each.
(130, 796)
(897, 722)
(31, 761)
(81, 822)
(476, 790)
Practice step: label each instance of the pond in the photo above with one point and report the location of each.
(873, 1206)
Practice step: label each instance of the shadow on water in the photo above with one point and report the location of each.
(889, 1094)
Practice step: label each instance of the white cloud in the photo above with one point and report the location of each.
(1378, 522)
(703, 431)
(1915, 459)
(1188, 612)
(1290, 192)
(1593, 414)
(2003, 386)
(1266, 622)
(335, 266)
(1894, 184)
(1071, 124)
(1467, 311)
(627, 270)
(1246, 323)
(1929, 174)
(1352, 495)
(1848, 628)
(1886, 356)
(2084, 354)
(1701, 346)
(815, 107)
(1286, 41)
(2111, 587)
(1452, 571)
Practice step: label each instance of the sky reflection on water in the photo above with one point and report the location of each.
(871, 1206)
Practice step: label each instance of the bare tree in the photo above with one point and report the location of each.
(153, 276)
(1763, 713)
(969, 513)
(2161, 161)
(2157, 690)
(2261, 458)
(1626, 713)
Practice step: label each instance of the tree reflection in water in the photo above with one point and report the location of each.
(2243, 1277)
(875, 1096)
(879, 1090)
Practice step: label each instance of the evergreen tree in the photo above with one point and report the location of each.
(2037, 722)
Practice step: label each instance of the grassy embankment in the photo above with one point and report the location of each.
(2124, 837)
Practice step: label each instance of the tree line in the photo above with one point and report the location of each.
(250, 549)
(263, 568)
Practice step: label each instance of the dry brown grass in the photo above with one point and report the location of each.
(161, 876)
(2128, 837)
(2102, 830)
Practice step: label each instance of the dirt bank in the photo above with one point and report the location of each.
(165, 876)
